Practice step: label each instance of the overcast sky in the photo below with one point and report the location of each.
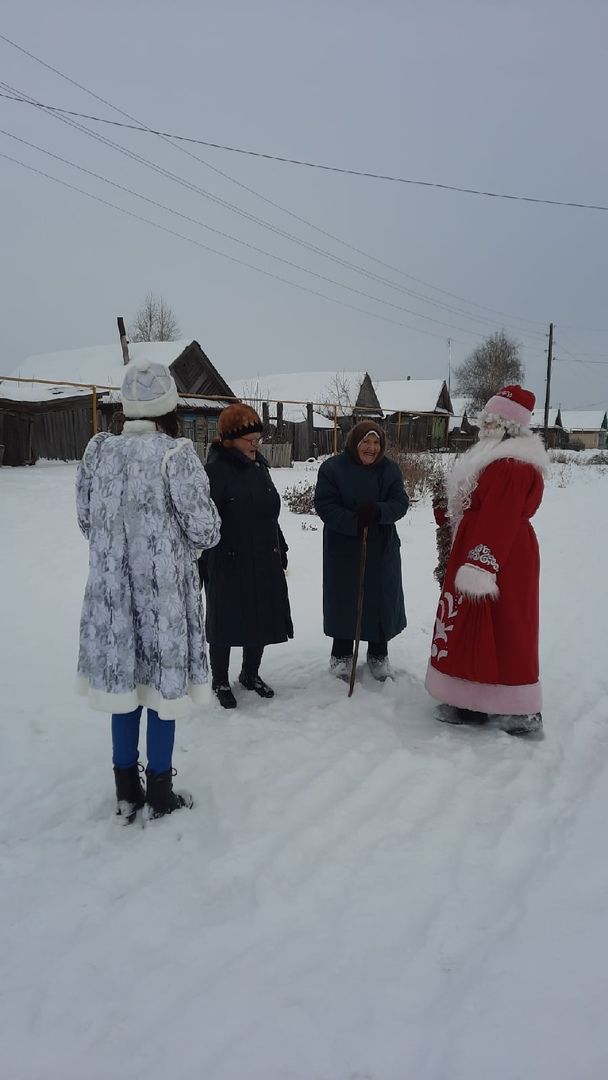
(500, 96)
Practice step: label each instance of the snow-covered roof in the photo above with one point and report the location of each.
(112, 397)
(101, 365)
(579, 420)
(538, 418)
(460, 405)
(29, 391)
(314, 386)
(410, 395)
(397, 395)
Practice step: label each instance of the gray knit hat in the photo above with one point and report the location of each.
(148, 390)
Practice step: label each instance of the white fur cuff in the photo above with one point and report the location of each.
(476, 584)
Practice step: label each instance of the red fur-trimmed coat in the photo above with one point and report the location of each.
(485, 641)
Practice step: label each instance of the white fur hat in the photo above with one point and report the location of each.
(148, 390)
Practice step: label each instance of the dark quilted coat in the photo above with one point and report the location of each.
(247, 601)
(343, 485)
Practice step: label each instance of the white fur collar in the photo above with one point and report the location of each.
(138, 427)
(463, 478)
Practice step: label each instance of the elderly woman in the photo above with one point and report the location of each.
(143, 504)
(247, 601)
(361, 488)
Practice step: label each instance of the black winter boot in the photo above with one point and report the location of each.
(449, 714)
(130, 794)
(253, 682)
(161, 797)
(224, 695)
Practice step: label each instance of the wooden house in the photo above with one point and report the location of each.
(414, 412)
(557, 437)
(299, 407)
(586, 430)
(54, 420)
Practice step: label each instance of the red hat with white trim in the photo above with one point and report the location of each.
(513, 404)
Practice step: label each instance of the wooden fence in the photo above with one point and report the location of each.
(278, 455)
(61, 428)
(51, 429)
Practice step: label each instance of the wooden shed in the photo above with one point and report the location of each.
(417, 412)
(587, 430)
(557, 438)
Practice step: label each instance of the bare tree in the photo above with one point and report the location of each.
(493, 364)
(340, 391)
(255, 395)
(154, 321)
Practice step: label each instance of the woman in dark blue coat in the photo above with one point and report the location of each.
(247, 601)
(356, 489)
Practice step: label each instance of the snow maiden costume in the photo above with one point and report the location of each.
(484, 656)
(143, 504)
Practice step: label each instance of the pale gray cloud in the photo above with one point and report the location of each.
(504, 97)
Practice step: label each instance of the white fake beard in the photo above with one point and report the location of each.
(488, 432)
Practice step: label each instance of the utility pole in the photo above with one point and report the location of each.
(124, 341)
(449, 366)
(548, 391)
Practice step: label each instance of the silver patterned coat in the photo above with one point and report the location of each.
(143, 503)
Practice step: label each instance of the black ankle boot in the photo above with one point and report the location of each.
(161, 797)
(253, 682)
(224, 695)
(130, 794)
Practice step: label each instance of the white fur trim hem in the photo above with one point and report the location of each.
(484, 697)
(475, 583)
(167, 708)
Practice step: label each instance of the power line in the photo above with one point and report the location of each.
(277, 230)
(215, 251)
(587, 359)
(318, 165)
(243, 213)
(167, 138)
(589, 405)
(586, 329)
(182, 149)
(229, 236)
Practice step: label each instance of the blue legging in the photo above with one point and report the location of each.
(160, 737)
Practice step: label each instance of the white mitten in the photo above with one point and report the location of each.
(475, 583)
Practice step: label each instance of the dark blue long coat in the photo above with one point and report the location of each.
(247, 601)
(343, 485)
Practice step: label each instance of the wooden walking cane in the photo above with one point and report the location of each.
(353, 674)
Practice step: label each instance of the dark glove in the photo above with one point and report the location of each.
(203, 569)
(367, 514)
(283, 548)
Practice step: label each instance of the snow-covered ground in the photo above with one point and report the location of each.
(359, 894)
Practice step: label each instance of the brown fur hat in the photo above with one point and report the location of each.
(238, 420)
(358, 433)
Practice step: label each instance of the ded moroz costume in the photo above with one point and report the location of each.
(484, 656)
